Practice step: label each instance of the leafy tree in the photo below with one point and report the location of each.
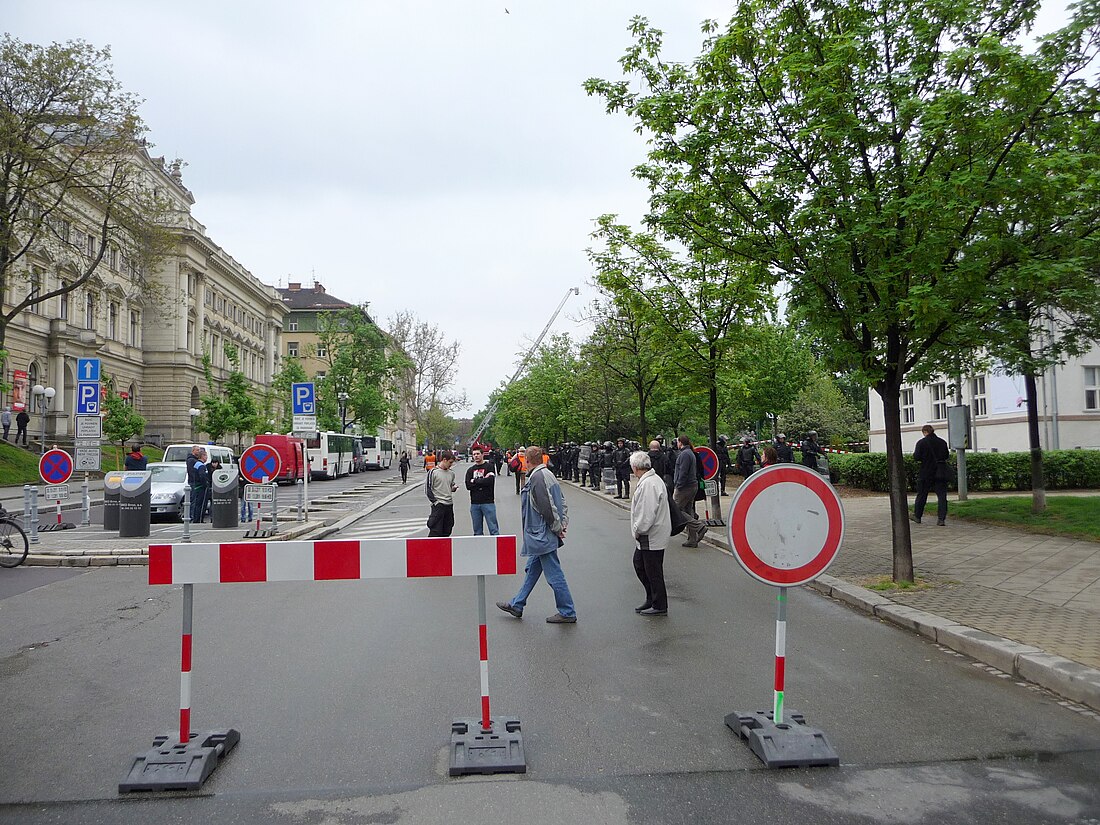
(241, 414)
(277, 401)
(822, 406)
(69, 142)
(121, 421)
(428, 374)
(216, 419)
(880, 157)
(358, 365)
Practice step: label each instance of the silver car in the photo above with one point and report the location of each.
(168, 483)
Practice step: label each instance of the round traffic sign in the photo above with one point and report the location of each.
(55, 466)
(786, 525)
(260, 461)
(710, 462)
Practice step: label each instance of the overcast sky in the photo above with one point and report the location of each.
(438, 156)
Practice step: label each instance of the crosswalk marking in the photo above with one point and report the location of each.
(388, 529)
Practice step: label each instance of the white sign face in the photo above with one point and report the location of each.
(89, 426)
(305, 423)
(259, 492)
(55, 492)
(87, 458)
(710, 487)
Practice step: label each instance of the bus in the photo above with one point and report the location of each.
(330, 454)
(377, 451)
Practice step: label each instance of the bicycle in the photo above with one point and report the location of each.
(13, 541)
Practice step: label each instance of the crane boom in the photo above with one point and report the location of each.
(523, 364)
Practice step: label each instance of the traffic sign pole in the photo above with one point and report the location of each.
(780, 654)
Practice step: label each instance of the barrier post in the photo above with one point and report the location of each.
(186, 513)
(301, 499)
(483, 640)
(86, 501)
(26, 504)
(780, 654)
(34, 514)
(185, 664)
(274, 508)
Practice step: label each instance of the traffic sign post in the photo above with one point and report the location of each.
(87, 369)
(709, 459)
(55, 466)
(303, 399)
(260, 463)
(87, 398)
(786, 526)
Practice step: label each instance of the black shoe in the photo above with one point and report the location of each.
(941, 523)
(642, 607)
(616, 496)
(557, 618)
(915, 519)
(690, 544)
(507, 608)
(652, 611)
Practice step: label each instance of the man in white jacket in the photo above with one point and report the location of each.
(651, 524)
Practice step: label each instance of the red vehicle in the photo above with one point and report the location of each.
(291, 454)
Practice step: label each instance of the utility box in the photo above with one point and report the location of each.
(133, 504)
(112, 485)
(958, 427)
(224, 511)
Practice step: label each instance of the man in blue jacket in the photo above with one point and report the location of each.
(545, 519)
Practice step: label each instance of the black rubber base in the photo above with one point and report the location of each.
(499, 751)
(170, 766)
(266, 533)
(713, 522)
(792, 744)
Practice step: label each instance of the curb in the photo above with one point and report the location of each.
(1065, 677)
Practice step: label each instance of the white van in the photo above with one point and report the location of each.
(179, 452)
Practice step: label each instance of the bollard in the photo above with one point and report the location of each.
(274, 508)
(301, 499)
(34, 514)
(26, 504)
(186, 513)
(86, 500)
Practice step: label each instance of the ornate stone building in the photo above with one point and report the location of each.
(150, 333)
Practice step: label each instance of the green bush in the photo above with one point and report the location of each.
(1063, 469)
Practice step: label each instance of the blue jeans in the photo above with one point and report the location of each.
(489, 512)
(549, 565)
(246, 506)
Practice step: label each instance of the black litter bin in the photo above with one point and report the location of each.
(224, 511)
(133, 504)
(112, 485)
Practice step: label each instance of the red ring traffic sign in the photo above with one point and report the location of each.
(55, 466)
(710, 462)
(258, 461)
(786, 525)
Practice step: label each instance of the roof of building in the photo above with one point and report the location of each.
(315, 298)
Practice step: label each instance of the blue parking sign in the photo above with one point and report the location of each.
(87, 398)
(303, 399)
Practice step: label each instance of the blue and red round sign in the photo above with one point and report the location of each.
(710, 462)
(55, 466)
(259, 462)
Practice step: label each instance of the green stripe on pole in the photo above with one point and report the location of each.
(777, 711)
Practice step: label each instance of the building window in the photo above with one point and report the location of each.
(322, 351)
(135, 325)
(1092, 388)
(939, 401)
(319, 376)
(292, 326)
(292, 349)
(89, 311)
(113, 260)
(977, 396)
(190, 335)
(63, 303)
(90, 245)
(908, 410)
(112, 320)
(34, 289)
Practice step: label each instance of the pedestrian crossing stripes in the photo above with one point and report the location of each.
(387, 529)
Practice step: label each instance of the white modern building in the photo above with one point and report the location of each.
(1068, 401)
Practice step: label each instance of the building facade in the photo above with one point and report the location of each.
(150, 333)
(1068, 402)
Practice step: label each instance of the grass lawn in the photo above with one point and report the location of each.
(17, 466)
(1074, 516)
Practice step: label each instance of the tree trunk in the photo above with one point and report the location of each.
(642, 419)
(1038, 484)
(712, 413)
(901, 539)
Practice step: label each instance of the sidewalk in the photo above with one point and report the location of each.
(1025, 604)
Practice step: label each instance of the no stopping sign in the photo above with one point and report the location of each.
(786, 525)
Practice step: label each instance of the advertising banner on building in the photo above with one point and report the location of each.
(1006, 394)
(20, 390)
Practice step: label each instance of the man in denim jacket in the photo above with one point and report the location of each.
(545, 519)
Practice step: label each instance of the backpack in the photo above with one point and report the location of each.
(679, 520)
(513, 462)
(428, 486)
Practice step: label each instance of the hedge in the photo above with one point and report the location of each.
(1063, 470)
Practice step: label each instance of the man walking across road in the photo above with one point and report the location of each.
(685, 483)
(931, 453)
(651, 526)
(545, 519)
(440, 488)
(481, 482)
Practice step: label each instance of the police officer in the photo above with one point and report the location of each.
(723, 453)
(620, 460)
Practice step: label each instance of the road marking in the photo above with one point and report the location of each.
(391, 528)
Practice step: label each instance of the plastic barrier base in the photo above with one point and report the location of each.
(170, 766)
(792, 744)
(713, 522)
(266, 533)
(499, 751)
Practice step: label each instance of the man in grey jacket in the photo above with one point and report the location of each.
(685, 484)
(651, 526)
(440, 488)
(545, 519)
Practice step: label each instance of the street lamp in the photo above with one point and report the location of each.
(43, 396)
(343, 396)
(194, 414)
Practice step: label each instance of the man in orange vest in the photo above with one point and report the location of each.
(429, 461)
(519, 467)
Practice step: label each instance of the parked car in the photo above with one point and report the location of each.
(179, 452)
(169, 479)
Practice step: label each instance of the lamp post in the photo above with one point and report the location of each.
(343, 396)
(43, 396)
(194, 414)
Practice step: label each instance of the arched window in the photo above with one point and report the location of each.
(132, 400)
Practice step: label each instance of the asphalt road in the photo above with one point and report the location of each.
(344, 694)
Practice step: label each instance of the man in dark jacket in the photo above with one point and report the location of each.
(748, 458)
(783, 450)
(931, 453)
(135, 460)
(21, 422)
(620, 460)
(685, 484)
(660, 463)
(723, 453)
(811, 450)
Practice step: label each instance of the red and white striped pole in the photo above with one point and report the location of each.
(483, 639)
(185, 666)
(780, 655)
